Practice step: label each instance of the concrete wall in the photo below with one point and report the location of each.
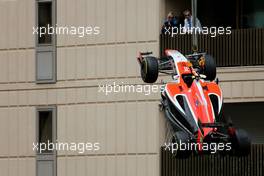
(125, 126)
(17, 122)
(242, 84)
(128, 125)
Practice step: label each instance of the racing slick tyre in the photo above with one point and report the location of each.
(149, 69)
(209, 68)
(241, 143)
(180, 142)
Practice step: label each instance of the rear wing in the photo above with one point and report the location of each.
(165, 63)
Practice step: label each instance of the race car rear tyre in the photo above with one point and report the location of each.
(241, 144)
(180, 141)
(149, 69)
(209, 68)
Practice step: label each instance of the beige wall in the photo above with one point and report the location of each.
(128, 126)
(17, 123)
(17, 18)
(125, 126)
(245, 84)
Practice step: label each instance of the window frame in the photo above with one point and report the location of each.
(51, 156)
(46, 47)
(54, 65)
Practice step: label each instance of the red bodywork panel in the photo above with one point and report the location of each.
(197, 96)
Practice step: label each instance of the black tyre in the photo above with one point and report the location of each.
(149, 69)
(241, 143)
(183, 138)
(209, 68)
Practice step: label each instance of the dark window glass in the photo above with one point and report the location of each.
(45, 127)
(44, 20)
(211, 13)
(253, 13)
(248, 116)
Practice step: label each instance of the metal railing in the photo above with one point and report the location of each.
(214, 165)
(243, 47)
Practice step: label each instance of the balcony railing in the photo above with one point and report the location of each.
(243, 47)
(214, 165)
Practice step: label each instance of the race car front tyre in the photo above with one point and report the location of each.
(241, 143)
(181, 140)
(209, 68)
(149, 69)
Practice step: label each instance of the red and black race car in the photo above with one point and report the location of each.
(193, 101)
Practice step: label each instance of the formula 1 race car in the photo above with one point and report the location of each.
(192, 101)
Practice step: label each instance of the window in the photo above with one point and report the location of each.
(46, 133)
(45, 42)
(252, 13)
(45, 127)
(45, 65)
(44, 20)
(45, 168)
(247, 116)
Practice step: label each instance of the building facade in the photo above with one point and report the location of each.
(49, 88)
